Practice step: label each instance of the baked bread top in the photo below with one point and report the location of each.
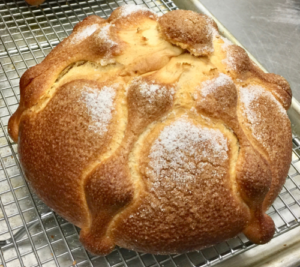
(154, 133)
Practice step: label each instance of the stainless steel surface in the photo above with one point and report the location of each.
(27, 35)
(282, 251)
(269, 29)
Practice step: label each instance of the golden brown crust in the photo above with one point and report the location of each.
(115, 189)
(38, 79)
(174, 214)
(271, 126)
(178, 27)
(239, 59)
(130, 14)
(58, 180)
(279, 86)
(253, 175)
(157, 135)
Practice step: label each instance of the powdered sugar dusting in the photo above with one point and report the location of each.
(99, 104)
(212, 30)
(202, 49)
(212, 34)
(253, 108)
(106, 60)
(184, 149)
(153, 91)
(127, 10)
(106, 41)
(252, 93)
(104, 34)
(84, 33)
(226, 43)
(215, 32)
(229, 60)
(207, 87)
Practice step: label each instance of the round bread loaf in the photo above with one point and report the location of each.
(154, 133)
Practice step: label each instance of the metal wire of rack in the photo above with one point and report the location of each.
(32, 234)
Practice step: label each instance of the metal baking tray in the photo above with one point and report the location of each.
(31, 234)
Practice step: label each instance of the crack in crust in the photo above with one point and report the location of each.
(167, 137)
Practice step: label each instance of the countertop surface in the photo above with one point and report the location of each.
(268, 29)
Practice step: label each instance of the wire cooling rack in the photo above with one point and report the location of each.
(32, 234)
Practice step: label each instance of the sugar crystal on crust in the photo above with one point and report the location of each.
(104, 34)
(153, 91)
(178, 27)
(207, 87)
(183, 148)
(253, 99)
(227, 43)
(229, 60)
(84, 33)
(127, 10)
(99, 104)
